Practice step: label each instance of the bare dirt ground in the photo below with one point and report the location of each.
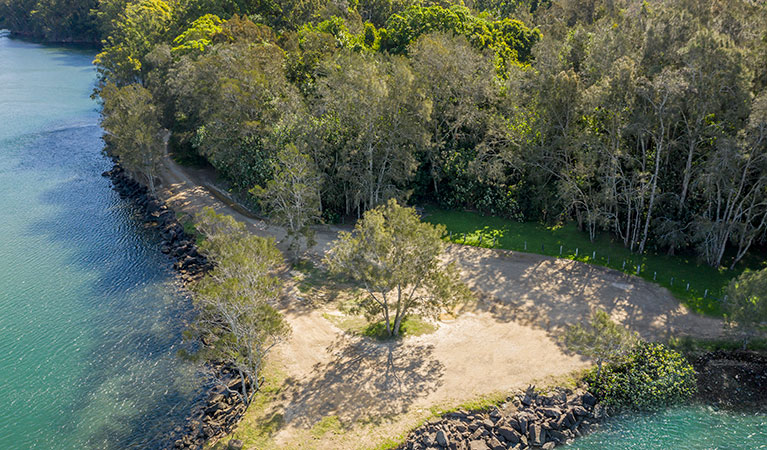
(505, 341)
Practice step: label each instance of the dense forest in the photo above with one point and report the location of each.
(646, 120)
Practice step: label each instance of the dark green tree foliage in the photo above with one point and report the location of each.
(132, 130)
(643, 120)
(52, 20)
(650, 377)
(366, 139)
(747, 304)
(230, 99)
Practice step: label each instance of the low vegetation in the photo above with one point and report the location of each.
(747, 304)
(651, 376)
(630, 373)
(600, 339)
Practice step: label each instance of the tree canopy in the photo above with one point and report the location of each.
(646, 121)
(396, 258)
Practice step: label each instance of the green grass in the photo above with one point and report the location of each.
(410, 326)
(260, 422)
(329, 424)
(537, 238)
(355, 324)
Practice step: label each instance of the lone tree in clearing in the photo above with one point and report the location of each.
(601, 339)
(396, 257)
(237, 320)
(746, 308)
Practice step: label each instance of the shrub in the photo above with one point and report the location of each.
(651, 376)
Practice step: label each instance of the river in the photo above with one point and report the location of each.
(90, 313)
(684, 428)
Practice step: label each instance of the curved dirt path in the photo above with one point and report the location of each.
(505, 341)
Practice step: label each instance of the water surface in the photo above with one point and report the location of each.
(687, 428)
(90, 314)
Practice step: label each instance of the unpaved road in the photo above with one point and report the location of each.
(506, 341)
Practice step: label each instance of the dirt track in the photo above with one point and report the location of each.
(506, 341)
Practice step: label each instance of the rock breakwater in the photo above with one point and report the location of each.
(526, 420)
(219, 408)
(189, 263)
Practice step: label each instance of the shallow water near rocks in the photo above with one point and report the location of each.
(90, 314)
(692, 427)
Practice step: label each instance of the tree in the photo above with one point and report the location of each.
(370, 128)
(397, 258)
(140, 26)
(133, 133)
(746, 308)
(733, 183)
(601, 339)
(459, 83)
(292, 196)
(231, 98)
(237, 321)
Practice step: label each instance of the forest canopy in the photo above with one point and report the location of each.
(643, 120)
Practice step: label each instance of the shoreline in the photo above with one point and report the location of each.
(731, 380)
(216, 414)
(193, 434)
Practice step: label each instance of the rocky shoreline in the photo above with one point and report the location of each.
(218, 410)
(526, 420)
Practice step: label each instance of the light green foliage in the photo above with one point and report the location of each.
(292, 196)
(133, 133)
(650, 377)
(198, 36)
(138, 28)
(396, 258)
(237, 320)
(366, 40)
(511, 40)
(746, 307)
(601, 339)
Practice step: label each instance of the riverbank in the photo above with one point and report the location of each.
(527, 419)
(734, 379)
(731, 380)
(525, 300)
(217, 412)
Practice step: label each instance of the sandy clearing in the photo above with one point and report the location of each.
(505, 341)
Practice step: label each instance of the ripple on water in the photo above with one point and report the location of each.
(90, 317)
(693, 427)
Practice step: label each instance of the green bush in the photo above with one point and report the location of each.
(651, 376)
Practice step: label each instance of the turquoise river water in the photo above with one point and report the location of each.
(90, 317)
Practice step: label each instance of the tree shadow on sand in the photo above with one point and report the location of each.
(551, 293)
(364, 381)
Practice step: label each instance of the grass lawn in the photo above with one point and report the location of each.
(354, 324)
(672, 272)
